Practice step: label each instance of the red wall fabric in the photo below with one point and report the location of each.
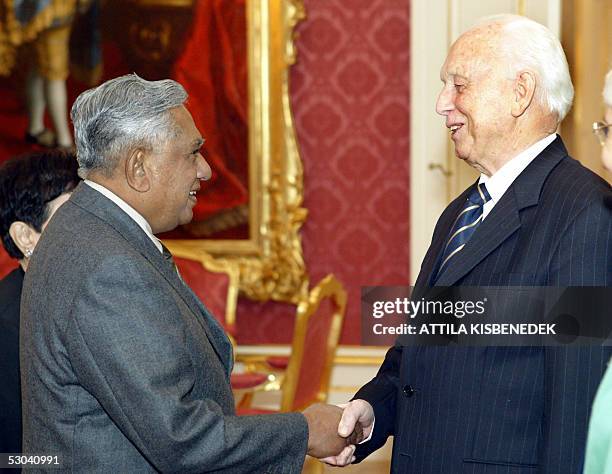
(351, 101)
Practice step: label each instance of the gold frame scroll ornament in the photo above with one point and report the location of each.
(270, 263)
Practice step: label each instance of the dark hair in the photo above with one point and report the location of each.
(27, 184)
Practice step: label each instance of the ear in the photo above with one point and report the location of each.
(524, 90)
(136, 172)
(24, 236)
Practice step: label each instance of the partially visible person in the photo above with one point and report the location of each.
(32, 188)
(602, 129)
(598, 458)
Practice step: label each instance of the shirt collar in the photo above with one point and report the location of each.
(499, 183)
(129, 210)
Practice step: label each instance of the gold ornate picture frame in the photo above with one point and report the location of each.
(269, 263)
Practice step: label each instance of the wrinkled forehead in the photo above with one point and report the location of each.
(475, 52)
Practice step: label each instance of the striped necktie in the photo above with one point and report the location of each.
(466, 223)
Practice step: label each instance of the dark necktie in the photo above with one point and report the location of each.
(466, 223)
(168, 258)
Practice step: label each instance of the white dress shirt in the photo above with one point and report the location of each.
(129, 210)
(499, 183)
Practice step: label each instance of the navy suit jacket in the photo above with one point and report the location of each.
(504, 409)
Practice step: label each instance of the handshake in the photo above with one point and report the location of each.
(334, 431)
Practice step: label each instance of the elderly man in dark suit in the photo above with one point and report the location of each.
(536, 217)
(123, 368)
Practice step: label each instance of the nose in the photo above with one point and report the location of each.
(204, 172)
(445, 102)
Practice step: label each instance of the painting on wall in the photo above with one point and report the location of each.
(201, 44)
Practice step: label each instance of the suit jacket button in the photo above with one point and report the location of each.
(408, 391)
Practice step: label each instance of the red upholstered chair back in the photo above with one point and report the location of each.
(217, 288)
(7, 264)
(316, 336)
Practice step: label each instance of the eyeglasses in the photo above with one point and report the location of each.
(600, 129)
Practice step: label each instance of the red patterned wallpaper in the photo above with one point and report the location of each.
(350, 98)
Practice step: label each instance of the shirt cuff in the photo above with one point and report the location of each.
(371, 433)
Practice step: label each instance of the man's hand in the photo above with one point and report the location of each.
(323, 437)
(355, 413)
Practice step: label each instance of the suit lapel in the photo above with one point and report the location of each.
(431, 262)
(93, 201)
(216, 335)
(504, 219)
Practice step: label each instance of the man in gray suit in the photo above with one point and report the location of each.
(123, 368)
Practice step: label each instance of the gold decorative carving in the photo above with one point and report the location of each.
(270, 262)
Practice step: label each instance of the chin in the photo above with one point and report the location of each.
(461, 156)
(186, 218)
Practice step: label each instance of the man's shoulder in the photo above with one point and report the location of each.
(84, 230)
(571, 193)
(73, 231)
(570, 178)
(74, 244)
(571, 169)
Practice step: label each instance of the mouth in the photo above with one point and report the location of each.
(454, 128)
(192, 195)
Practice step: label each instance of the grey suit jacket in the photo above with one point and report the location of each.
(123, 368)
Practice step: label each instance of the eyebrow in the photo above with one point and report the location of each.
(453, 76)
(198, 143)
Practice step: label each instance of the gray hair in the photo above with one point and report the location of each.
(528, 44)
(607, 90)
(119, 115)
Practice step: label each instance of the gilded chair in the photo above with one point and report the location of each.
(217, 288)
(316, 335)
